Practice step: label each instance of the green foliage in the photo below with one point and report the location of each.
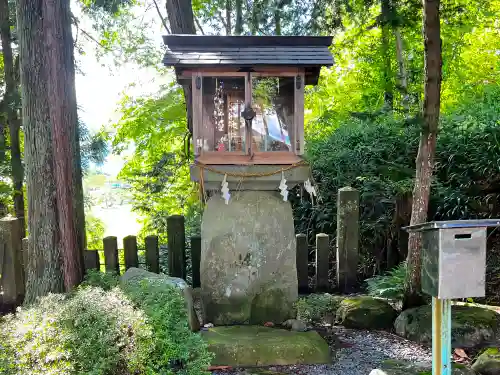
(376, 156)
(88, 332)
(101, 330)
(390, 285)
(93, 147)
(103, 280)
(120, 31)
(259, 16)
(95, 232)
(158, 169)
(317, 307)
(174, 343)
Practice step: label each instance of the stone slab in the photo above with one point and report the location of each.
(253, 346)
(248, 259)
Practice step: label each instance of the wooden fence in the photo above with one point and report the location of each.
(184, 256)
(177, 263)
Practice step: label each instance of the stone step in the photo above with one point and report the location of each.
(248, 346)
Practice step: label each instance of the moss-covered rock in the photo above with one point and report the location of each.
(269, 305)
(488, 363)
(137, 275)
(472, 327)
(318, 308)
(392, 367)
(365, 313)
(243, 346)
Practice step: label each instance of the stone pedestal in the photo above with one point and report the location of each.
(248, 271)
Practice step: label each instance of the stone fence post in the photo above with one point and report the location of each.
(347, 238)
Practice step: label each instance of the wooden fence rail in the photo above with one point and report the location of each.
(177, 253)
(13, 258)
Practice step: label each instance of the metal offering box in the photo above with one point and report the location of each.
(454, 257)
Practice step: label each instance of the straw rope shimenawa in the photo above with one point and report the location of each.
(241, 175)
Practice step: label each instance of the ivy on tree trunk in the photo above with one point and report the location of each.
(427, 147)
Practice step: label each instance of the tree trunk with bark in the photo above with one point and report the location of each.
(402, 72)
(12, 101)
(238, 26)
(229, 6)
(43, 268)
(65, 140)
(427, 147)
(277, 16)
(385, 15)
(181, 19)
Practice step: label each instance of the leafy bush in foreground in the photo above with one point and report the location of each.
(89, 332)
(175, 346)
(103, 330)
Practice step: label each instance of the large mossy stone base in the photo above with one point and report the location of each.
(250, 346)
(248, 259)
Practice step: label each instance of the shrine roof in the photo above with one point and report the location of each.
(189, 51)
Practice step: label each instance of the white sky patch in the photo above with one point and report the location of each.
(100, 88)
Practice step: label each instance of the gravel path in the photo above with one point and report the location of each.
(357, 353)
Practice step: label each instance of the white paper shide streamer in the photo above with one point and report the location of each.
(310, 189)
(283, 188)
(225, 190)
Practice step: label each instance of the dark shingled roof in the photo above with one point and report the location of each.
(191, 51)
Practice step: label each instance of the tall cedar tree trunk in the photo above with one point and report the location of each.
(402, 72)
(65, 140)
(181, 19)
(43, 270)
(238, 26)
(277, 17)
(385, 14)
(228, 17)
(11, 106)
(427, 147)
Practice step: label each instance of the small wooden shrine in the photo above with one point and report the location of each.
(248, 103)
(247, 98)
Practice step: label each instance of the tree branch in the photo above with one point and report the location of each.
(221, 17)
(161, 17)
(198, 25)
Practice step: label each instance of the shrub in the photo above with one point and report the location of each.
(376, 155)
(88, 332)
(95, 229)
(103, 280)
(101, 329)
(175, 346)
(390, 285)
(315, 308)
